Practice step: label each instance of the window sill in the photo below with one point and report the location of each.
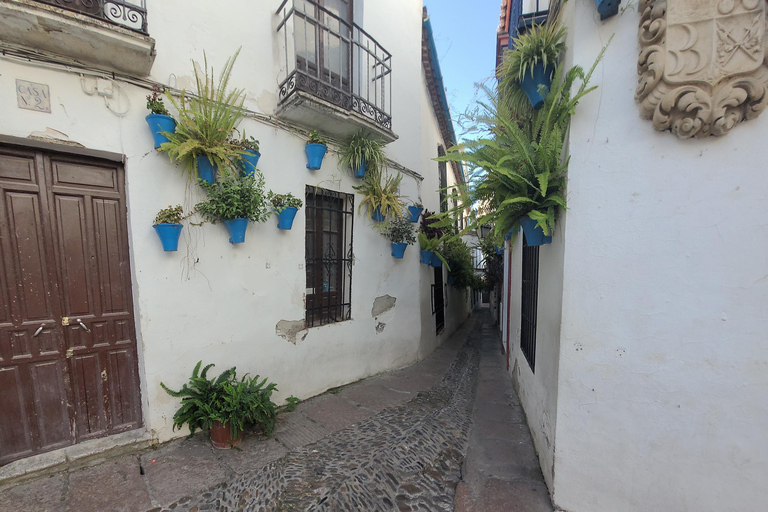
(89, 41)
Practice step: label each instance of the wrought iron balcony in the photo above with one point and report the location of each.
(526, 13)
(131, 14)
(326, 56)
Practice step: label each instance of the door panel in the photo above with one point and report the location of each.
(68, 363)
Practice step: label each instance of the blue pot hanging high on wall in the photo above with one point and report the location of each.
(206, 171)
(236, 229)
(249, 163)
(315, 154)
(169, 235)
(415, 212)
(360, 171)
(426, 257)
(436, 261)
(398, 249)
(608, 8)
(159, 123)
(285, 217)
(531, 81)
(377, 216)
(534, 235)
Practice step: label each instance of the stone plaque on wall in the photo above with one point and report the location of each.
(703, 64)
(33, 96)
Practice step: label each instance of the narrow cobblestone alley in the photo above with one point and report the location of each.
(446, 430)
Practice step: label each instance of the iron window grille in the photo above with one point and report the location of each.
(130, 14)
(332, 58)
(328, 255)
(529, 302)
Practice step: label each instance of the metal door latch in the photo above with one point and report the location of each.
(82, 325)
(38, 331)
(70, 352)
(65, 321)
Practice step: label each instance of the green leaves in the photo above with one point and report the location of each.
(235, 198)
(360, 148)
(381, 191)
(399, 230)
(280, 202)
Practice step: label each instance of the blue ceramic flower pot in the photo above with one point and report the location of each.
(534, 235)
(169, 235)
(512, 232)
(398, 249)
(415, 212)
(315, 154)
(499, 251)
(360, 171)
(436, 261)
(607, 8)
(206, 171)
(285, 217)
(250, 161)
(236, 229)
(377, 216)
(159, 123)
(426, 257)
(530, 84)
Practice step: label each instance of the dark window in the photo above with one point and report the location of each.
(328, 255)
(443, 181)
(529, 302)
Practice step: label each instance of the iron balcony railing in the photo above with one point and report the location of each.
(330, 57)
(131, 14)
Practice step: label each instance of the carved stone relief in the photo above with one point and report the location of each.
(703, 64)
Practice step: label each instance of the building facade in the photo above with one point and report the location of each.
(94, 315)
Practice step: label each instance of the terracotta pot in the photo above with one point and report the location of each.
(221, 438)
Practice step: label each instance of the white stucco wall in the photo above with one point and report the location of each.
(221, 303)
(663, 361)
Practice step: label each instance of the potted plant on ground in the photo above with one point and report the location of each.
(361, 153)
(224, 406)
(285, 206)
(159, 119)
(532, 59)
(235, 202)
(249, 153)
(315, 149)
(415, 211)
(400, 234)
(202, 141)
(168, 226)
(380, 194)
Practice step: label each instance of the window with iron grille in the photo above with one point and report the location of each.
(328, 255)
(529, 302)
(441, 166)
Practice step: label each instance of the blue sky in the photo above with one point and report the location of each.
(465, 36)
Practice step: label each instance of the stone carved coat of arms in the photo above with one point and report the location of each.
(703, 64)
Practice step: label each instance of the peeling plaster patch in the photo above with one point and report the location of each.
(382, 304)
(380, 327)
(289, 329)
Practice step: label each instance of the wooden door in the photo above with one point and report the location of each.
(68, 366)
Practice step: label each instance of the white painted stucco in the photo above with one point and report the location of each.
(221, 303)
(660, 370)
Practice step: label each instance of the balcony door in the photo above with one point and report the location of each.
(324, 42)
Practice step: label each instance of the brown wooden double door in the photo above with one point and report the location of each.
(68, 361)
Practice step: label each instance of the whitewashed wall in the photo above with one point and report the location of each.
(663, 358)
(219, 302)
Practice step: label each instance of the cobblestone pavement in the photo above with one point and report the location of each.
(404, 458)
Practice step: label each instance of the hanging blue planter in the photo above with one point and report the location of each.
(236, 229)
(530, 84)
(499, 251)
(250, 161)
(169, 235)
(436, 261)
(206, 171)
(398, 249)
(415, 212)
(451, 280)
(512, 232)
(285, 217)
(377, 216)
(534, 235)
(360, 171)
(159, 123)
(315, 154)
(608, 8)
(426, 257)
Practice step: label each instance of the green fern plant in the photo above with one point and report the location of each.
(381, 191)
(205, 122)
(359, 149)
(241, 197)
